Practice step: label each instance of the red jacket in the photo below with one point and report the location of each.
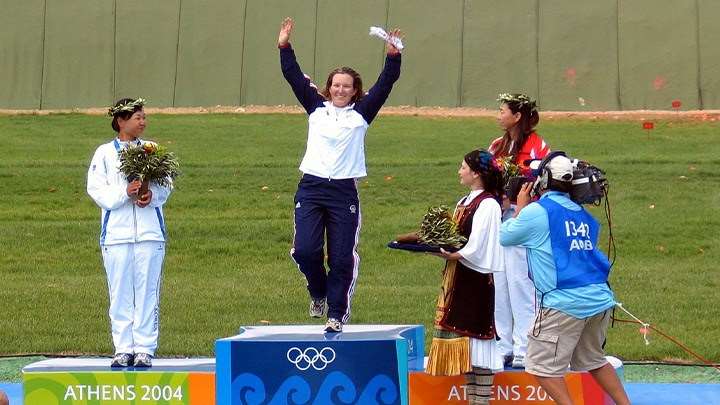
(533, 148)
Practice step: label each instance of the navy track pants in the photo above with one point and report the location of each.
(328, 209)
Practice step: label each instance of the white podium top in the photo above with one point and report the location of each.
(317, 333)
(103, 364)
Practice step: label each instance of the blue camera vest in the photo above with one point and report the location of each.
(573, 237)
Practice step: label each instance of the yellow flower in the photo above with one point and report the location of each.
(150, 147)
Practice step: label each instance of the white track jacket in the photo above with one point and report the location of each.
(121, 220)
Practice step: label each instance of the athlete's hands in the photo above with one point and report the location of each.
(144, 199)
(133, 188)
(285, 30)
(389, 47)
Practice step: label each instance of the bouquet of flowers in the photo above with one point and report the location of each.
(149, 162)
(508, 168)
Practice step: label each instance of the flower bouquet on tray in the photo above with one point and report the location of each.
(148, 162)
(437, 230)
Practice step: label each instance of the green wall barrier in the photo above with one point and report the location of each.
(578, 55)
(709, 38)
(263, 83)
(210, 53)
(431, 71)
(499, 51)
(146, 42)
(21, 53)
(569, 54)
(79, 54)
(658, 54)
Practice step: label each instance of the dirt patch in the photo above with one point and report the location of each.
(636, 115)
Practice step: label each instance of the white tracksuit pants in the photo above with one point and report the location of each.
(134, 274)
(514, 302)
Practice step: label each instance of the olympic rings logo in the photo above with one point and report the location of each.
(311, 357)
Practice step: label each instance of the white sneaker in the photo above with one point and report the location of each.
(143, 360)
(333, 326)
(318, 308)
(122, 360)
(518, 361)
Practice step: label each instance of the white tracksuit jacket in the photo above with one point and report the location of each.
(121, 220)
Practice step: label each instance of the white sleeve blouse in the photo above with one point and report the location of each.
(483, 252)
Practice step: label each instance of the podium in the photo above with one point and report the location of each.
(300, 364)
(93, 381)
(510, 387)
(271, 365)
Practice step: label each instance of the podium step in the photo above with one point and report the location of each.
(92, 380)
(512, 386)
(365, 364)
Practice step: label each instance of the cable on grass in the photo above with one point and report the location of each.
(666, 363)
(612, 248)
(646, 328)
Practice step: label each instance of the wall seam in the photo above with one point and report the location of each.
(42, 69)
(699, 56)
(462, 55)
(537, 50)
(618, 89)
(315, 32)
(242, 54)
(114, 53)
(387, 27)
(177, 51)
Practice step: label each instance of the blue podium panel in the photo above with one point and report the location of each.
(300, 364)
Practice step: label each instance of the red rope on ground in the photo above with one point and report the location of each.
(674, 340)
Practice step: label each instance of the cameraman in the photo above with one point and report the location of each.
(570, 276)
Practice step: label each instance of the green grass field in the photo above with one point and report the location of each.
(228, 264)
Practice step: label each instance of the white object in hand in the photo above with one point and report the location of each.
(380, 33)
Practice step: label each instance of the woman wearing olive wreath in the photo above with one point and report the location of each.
(514, 291)
(132, 239)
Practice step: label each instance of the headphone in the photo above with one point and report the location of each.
(544, 173)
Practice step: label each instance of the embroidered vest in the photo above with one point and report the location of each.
(466, 305)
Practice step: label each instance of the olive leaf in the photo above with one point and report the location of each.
(439, 229)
